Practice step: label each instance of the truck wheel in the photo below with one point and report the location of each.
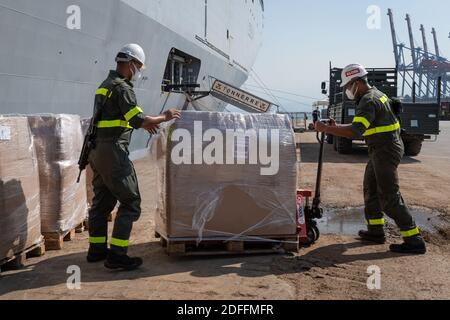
(413, 146)
(330, 139)
(344, 146)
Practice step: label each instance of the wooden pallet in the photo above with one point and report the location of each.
(55, 240)
(16, 262)
(86, 224)
(189, 247)
(82, 227)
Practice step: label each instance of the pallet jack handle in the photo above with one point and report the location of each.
(317, 196)
(316, 211)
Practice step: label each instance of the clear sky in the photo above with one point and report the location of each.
(302, 37)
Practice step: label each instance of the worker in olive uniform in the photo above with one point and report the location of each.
(114, 175)
(377, 124)
(316, 116)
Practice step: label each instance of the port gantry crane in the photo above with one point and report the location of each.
(420, 76)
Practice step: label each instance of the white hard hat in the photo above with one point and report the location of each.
(351, 72)
(133, 51)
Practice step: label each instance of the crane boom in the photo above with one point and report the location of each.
(394, 37)
(411, 40)
(436, 44)
(424, 39)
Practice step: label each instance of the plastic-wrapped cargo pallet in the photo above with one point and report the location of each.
(58, 141)
(203, 199)
(20, 224)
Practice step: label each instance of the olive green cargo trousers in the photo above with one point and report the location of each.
(114, 181)
(382, 190)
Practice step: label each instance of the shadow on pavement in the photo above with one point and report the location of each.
(53, 271)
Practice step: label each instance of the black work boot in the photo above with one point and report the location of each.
(124, 262)
(410, 246)
(96, 254)
(376, 236)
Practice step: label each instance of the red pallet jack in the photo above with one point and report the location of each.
(307, 214)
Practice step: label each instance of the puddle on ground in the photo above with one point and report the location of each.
(349, 221)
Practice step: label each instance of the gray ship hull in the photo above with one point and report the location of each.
(45, 67)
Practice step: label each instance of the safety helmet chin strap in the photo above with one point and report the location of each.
(365, 81)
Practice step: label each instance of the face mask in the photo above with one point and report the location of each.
(137, 74)
(350, 94)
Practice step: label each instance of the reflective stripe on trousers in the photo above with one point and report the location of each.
(375, 222)
(119, 243)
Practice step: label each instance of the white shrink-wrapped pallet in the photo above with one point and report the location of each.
(20, 223)
(233, 197)
(58, 142)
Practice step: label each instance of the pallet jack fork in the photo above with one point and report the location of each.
(308, 214)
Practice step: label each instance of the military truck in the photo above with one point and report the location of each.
(419, 121)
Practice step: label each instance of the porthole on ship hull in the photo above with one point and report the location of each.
(181, 69)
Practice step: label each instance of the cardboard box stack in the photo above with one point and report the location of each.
(201, 200)
(58, 141)
(20, 224)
